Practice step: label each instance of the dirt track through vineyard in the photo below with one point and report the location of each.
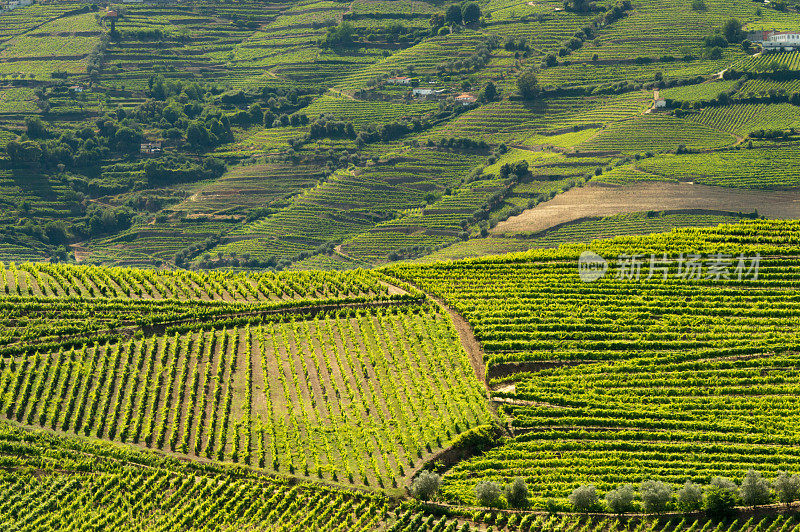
(594, 200)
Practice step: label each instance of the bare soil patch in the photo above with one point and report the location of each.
(595, 200)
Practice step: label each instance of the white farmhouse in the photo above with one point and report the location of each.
(775, 40)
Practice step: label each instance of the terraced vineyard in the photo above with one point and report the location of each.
(765, 167)
(84, 486)
(348, 385)
(657, 133)
(189, 195)
(621, 380)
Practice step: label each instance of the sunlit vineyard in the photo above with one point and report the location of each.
(248, 282)
(676, 378)
(331, 393)
(72, 485)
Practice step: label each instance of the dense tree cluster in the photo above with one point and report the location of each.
(465, 13)
(339, 35)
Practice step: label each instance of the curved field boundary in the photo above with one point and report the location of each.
(470, 344)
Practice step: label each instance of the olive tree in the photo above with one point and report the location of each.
(488, 493)
(755, 489)
(517, 493)
(620, 500)
(655, 495)
(426, 485)
(584, 498)
(690, 497)
(787, 487)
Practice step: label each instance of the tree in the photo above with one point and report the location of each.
(453, 15)
(490, 92)
(26, 152)
(197, 135)
(488, 493)
(584, 498)
(580, 6)
(690, 497)
(720, 497)
(732, 30)
(528, 85)
(517, 493)
(699, 5)
(655, 495)
(755, 489)
(426, 485)
(470, 12)
(341, 34)
(436, 21)
(127, 140)
(35, 129)
(787, 487)
(620, 500)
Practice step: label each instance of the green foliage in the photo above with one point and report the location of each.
(732, 30)
(426, 485)
(787, 487)
(476, 439)
(584, 498)
(516, 493)
(656, 496)
(488, 493)
(470, 12)
(718, 501)
(755, 490)
(528, 85)
(453, 14)
(690, 497)
(341, 35)
(620, 499)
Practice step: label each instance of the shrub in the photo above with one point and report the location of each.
(426, 485)
(517, 493)
(584, 498)
(755, 490)
(620, 500)
(488, 493)
(690, 497)
(655, 495)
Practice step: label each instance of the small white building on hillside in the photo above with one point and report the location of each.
(658, 101)
(399, 80)
(466, 99)
(426, 93)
